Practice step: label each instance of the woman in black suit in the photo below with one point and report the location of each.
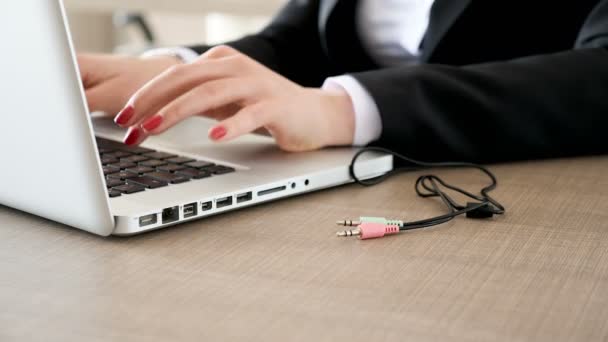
(477, 80)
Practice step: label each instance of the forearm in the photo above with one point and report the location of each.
(535, 107)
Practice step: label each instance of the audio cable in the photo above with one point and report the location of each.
(483, 205)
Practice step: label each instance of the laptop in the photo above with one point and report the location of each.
(62, 163)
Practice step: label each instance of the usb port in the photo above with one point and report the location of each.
(223, 202)
(206, 206)
(190, 210)
(148, 220)
(244, 197)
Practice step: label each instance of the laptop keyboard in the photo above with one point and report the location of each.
(130, 170)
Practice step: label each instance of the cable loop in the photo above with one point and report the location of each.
(430, 185)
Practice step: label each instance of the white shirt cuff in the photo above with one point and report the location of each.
(186, 55)
(368, 124)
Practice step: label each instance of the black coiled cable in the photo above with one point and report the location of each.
(429, 185)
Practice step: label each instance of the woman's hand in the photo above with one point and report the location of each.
(110, 81)
(245, 96)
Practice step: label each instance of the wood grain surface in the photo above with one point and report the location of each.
(276, 272)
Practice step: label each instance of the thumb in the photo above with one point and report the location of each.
(102, 99)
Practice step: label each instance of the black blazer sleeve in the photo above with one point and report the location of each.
(535, 107)
(290, 45)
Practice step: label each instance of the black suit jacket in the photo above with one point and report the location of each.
(498, 80)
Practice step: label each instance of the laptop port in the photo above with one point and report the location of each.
(206, 206)
(170, 215)
(148, 220)
(246, 197)
(223, 202)
(190, 210)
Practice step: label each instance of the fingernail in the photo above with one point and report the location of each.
(125, 115)
(152, 123)
(132, 136)
(218, 132)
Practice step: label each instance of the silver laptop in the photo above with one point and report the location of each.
(64, 164)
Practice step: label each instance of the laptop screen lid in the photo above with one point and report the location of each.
(50, 166)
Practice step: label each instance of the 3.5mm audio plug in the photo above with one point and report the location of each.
(370, 230)
(369, 219)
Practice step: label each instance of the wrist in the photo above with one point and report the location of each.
(340, 118)
(368, 123)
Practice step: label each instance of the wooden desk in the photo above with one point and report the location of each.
(277, 273)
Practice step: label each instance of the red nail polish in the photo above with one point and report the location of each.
(132, 137)
(125, 115)
(218, 132)
(152, 123)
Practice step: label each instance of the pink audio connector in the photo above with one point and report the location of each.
(370, 230)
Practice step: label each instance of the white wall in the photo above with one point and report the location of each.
(94, 31)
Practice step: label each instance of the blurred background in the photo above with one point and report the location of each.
(133, 26)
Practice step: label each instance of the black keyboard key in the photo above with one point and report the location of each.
(103, 142)
(199, 164)
(194, 173)
(103, 150)
(134, 159)
(123, 175)
(171, 168)
(220, 170)
(129, 188)
(105, 146)
(111, 145)
(140, 170)
(180, 160)
(153, 163)
(148, 182)
(124, 165)
(108, 155)
(159, 155)
(114, 193)
(108, 170)
(136, 150)
(117, 154)
(108, 160)
(112, 182)
(168, 177)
